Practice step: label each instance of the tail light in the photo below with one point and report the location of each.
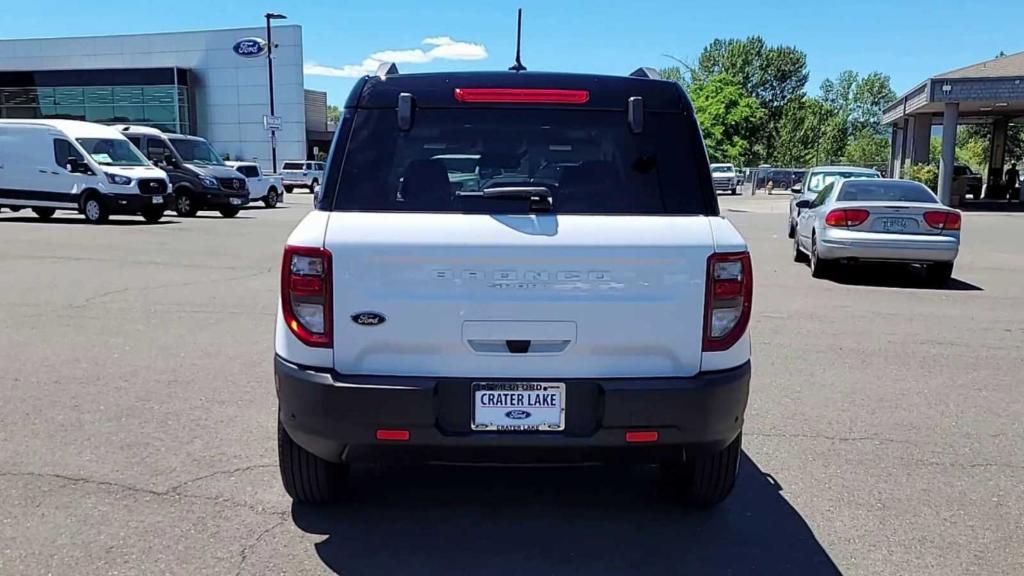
(522, 95)
(846, 217)
(306, 294)
(730, 289)
(943, 220)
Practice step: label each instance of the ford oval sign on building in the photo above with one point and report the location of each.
(250, 47)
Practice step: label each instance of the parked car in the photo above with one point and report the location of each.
(724, 177)
(967, 180)
(302, 174)
(199, 178)
(814, 180)
(50, 165)
(266, 188)
(600, 316)
(878, 220)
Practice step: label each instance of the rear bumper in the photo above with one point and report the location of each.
(922, 249)
(136, 203)
(336, 417)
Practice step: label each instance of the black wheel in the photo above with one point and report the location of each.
(289, 189)
(228, 212)
(791, 230)
(307, 477)
(798, 254)
(313, 185)
(271, 199)
(94, 210)
(44, 213)
(706, 479)
(733, 191)
(153, 215)
(939, 273)
(820, 268)
(184, 205)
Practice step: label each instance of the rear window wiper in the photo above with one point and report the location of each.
(539, 196)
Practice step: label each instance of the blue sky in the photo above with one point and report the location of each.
(907, 39)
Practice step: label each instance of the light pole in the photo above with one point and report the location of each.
(270, 84)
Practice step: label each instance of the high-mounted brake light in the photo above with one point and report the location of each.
(521, 96)
(943, 220)
(306, 294)
(846, 217)
(730, 290)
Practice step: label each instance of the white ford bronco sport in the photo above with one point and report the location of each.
(578, 299)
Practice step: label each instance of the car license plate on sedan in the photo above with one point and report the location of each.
(158, 199)
(895, 224)
(518, 406)
(234, 201)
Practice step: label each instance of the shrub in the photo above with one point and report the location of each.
(927, 174)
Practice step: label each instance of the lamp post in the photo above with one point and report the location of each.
(270, 84)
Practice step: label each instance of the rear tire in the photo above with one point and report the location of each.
(270, 201)
(313, 185)
(44, 213)
(939, 273)
(229, 212)
(820, 268)
(791, 232)
(306, 477)
(733, 191)
(153, 215)
(706, 479)
(289, 189)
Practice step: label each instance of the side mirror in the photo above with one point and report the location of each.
(169, 160)
(803, 204)
(76, 166)
(797, 188)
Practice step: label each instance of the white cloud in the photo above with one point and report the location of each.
(443, 48)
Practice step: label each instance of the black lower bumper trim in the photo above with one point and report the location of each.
(137, 203)
(336, 416)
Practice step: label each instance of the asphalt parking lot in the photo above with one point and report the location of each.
(885, 433)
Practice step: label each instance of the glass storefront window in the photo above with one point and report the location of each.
(163, 107)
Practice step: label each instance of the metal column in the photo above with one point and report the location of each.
(950, 117)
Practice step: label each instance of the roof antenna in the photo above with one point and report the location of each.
(518, 66)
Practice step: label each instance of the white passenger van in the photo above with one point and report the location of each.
(50, 165)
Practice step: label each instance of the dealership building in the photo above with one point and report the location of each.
(209, 83)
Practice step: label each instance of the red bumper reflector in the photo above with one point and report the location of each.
(522, 95)
(638, 436)
(393, 435)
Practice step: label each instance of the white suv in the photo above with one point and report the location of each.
(579, 299)
(301, 174)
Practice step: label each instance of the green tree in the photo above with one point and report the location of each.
(773, 75)
(673, 73)
(333, 113)
(799, 133)
(729, 119)
(867, 149)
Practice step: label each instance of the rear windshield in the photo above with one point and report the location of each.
(292, 166)
(819, 180)
(589, 161)
(867, 191)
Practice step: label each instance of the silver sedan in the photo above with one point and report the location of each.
(877, 220)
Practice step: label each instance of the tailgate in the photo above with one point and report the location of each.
(540, 296)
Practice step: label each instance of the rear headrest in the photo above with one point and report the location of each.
(425, 182)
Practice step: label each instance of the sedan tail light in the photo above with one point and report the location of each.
(306, 294)
(943, 220)
(846, 217)
(730, 289)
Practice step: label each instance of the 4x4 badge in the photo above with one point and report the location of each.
(369, 318)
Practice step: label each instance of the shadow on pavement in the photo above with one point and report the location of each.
(589, 520)
(887, 275)
(114, 221)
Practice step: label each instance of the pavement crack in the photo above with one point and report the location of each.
(876, 439)
(81, 480)
(243, 554)
(102, 295)
(174, 489)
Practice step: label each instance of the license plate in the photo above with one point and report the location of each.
(158, 199)
(234, 201)
(518, 406)
(894, 224)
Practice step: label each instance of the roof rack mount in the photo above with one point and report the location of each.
(385, 69)
(646, 72)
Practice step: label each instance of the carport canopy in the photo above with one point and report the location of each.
(990, 92)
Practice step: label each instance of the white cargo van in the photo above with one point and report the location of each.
(50, 165)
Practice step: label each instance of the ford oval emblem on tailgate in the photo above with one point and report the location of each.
(517, 414)
(369, 318)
